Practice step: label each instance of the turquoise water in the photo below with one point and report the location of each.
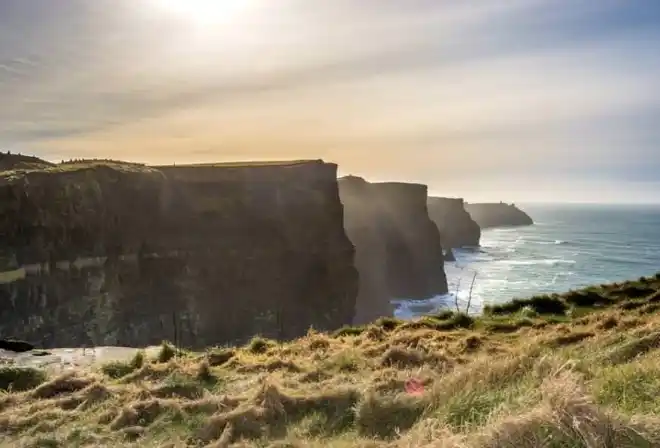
(570, 246)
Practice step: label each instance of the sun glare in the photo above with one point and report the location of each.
(204, 11)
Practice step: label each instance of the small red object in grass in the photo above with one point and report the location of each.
(414, 386)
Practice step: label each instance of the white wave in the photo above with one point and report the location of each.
(463, 258)
(550, 243)
(537, 262)
(408, 309)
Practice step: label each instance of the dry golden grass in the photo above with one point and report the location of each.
(589, 378)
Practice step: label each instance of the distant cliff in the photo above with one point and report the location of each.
(128, 255)
(398, 249)
(457, 228)
(498, 215)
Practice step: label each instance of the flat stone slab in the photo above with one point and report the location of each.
(59, 359)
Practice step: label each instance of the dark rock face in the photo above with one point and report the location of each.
(369, 228)
(398, 250)
(456, 226)
(498, 215)
(127, 255)
(15, 346)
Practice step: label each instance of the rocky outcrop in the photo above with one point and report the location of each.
(498, 215)
(15, 346)
(131, 255)
(456, 226)
(398, 250)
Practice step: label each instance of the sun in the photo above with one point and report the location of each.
(204, 11)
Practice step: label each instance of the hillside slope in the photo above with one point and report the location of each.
(578, 370)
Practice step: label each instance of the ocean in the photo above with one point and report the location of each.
(570, 246)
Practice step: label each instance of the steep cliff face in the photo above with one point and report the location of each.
(456, 226)
(498, 215)
(268, 241)
(368, 227)
(129, 255)
(398, 250)
(416, 258)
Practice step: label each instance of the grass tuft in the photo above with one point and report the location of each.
(219, 357)
(383, 417)
(167, 352)
(117, 369)
(540, 304)
(403, 358)
(259, 345)
(16, 379)
(388, 323)
(349, 331)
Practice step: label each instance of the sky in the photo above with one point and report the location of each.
(513, 100)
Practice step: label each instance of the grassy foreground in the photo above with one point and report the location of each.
(577, 370)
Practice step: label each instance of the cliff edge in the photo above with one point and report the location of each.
(398, 249)
(456, 226)
(498, 215)
(9, 161)
(112, 254)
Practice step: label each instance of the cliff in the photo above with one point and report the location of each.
(498, 215)
(456, 226)
(112, 254)
(398, 250)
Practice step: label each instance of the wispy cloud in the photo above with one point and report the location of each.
(421, 90)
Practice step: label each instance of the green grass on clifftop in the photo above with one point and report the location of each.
(580, 369)
(16, 175)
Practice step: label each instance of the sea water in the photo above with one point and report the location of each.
(570, 246)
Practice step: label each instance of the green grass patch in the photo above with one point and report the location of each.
(388, 323)
(16, 379)
(167, 352)
(349, 331)
(631, 388)
(119, 369)
(540, 304)
(259, 345)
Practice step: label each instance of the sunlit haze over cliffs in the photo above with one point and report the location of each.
(518, 100)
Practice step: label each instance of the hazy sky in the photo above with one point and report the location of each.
(519, 100)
